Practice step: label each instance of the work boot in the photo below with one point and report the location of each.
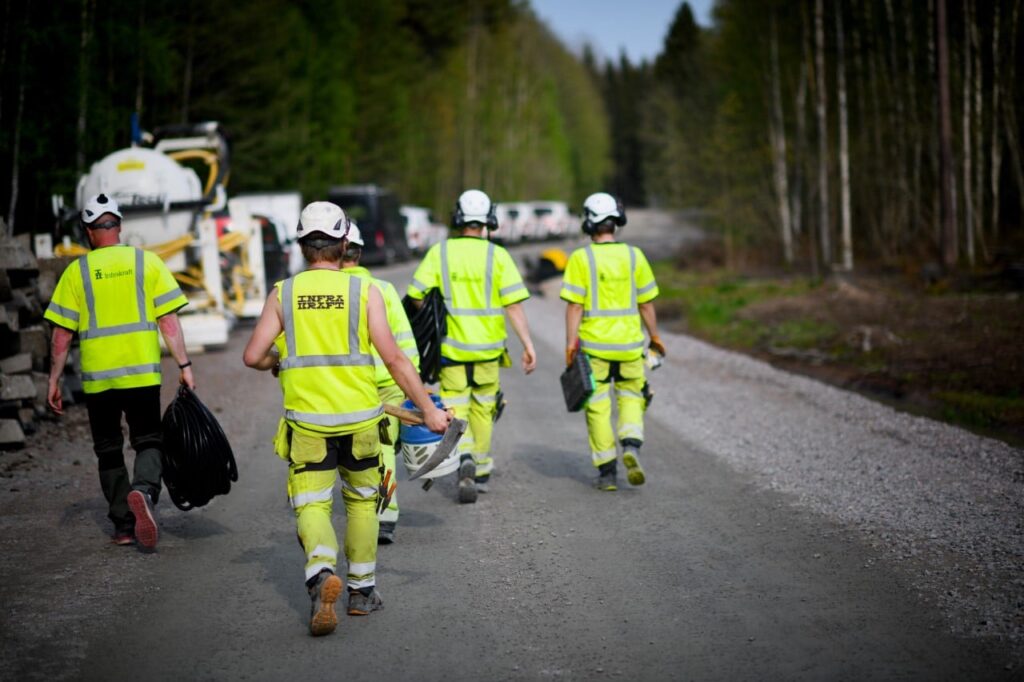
(606, 475)
(361, 604)
(482, 483)
(386, 533)
(146, 531)
(324, 592)
(467, 480)
(630, 457)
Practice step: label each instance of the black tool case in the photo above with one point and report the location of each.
(577, 383)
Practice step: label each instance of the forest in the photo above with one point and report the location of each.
(813, 135)
(823, 134)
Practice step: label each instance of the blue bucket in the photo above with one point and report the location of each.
(419, 442)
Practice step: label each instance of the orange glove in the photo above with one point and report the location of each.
(657, 346)
(570, 355)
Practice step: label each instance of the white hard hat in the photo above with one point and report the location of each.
(474, 206)
(96, 206)
(355, 237)
(324, 218)
(600, 207)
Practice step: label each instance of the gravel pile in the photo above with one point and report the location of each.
(945, 505)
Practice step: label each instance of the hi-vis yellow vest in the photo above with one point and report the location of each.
(397, 320)
(112, 297)
(610, 280)
(478, 279)
(327, 371)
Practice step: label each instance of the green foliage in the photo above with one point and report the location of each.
(426, 98)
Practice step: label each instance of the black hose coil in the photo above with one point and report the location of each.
(197, 458)
(429, 326)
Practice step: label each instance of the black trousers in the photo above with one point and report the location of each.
(141, 409)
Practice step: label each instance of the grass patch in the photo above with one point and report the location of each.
(971, 408)
(711, 302)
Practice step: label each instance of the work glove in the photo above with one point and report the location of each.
(656, 345)
(570, 355)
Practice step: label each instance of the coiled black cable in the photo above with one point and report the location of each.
(429, 327)
(197, 458)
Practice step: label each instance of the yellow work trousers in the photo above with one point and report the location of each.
(314, 464)
(628, 386)
(391, 395)
(471, 391)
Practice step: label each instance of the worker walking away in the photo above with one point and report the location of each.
(387, 389)
(480, 284)
(115, 298)
(609, 288)
(317, 331)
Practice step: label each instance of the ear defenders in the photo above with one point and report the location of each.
(474, 211)
(598, 208)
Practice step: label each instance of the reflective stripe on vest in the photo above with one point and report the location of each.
(352, 359)
(94, 330)
(595, 309)
(446, 288)
(120, 372)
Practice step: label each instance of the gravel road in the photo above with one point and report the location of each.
(788, 530)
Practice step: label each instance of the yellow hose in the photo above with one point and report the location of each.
(207, 157)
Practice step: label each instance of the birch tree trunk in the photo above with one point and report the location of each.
(996, 152)
(1010, 110)
(778, 140)
(83, 84)
(141, 75)
(844, 145)
(947, 203)
(16, 135)
(968, 135)
(979, 147)
(915, 124)
(824, 227)
(190, 42)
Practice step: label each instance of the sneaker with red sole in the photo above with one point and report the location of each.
(123, 537)
(146, 531)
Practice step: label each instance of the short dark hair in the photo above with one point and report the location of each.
(353, 252)
(320, 249)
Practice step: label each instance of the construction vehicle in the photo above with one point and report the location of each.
(169, 210)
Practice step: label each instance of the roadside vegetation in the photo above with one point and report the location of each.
(947, 354)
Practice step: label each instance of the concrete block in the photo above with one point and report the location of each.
(21, 363)
(17, 387)
(34, 340)
(27, 420)
(41, 380)
(9, 319)
(11, 433)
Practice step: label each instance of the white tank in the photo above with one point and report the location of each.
(145, 183)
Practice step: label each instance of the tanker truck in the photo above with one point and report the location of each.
(169, 210)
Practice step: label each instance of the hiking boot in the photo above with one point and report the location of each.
(467, 480)
(606, 477)
(360, 604)
(324, 593)
(386, 533)
(482, 483)
(146, 531)
(634, 474)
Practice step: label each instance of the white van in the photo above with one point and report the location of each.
(553, 219)
(421, 231)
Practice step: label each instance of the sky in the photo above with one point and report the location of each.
(636, 26)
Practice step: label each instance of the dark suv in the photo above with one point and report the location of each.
(375, 210)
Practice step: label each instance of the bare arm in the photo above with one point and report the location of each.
(517, 316)
(174, 338)
(400, 367)
(60, 344)
(258, 352)
(573, 317)
(650, 320)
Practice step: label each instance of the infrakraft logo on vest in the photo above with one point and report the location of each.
(321, 302)
(100, 273)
